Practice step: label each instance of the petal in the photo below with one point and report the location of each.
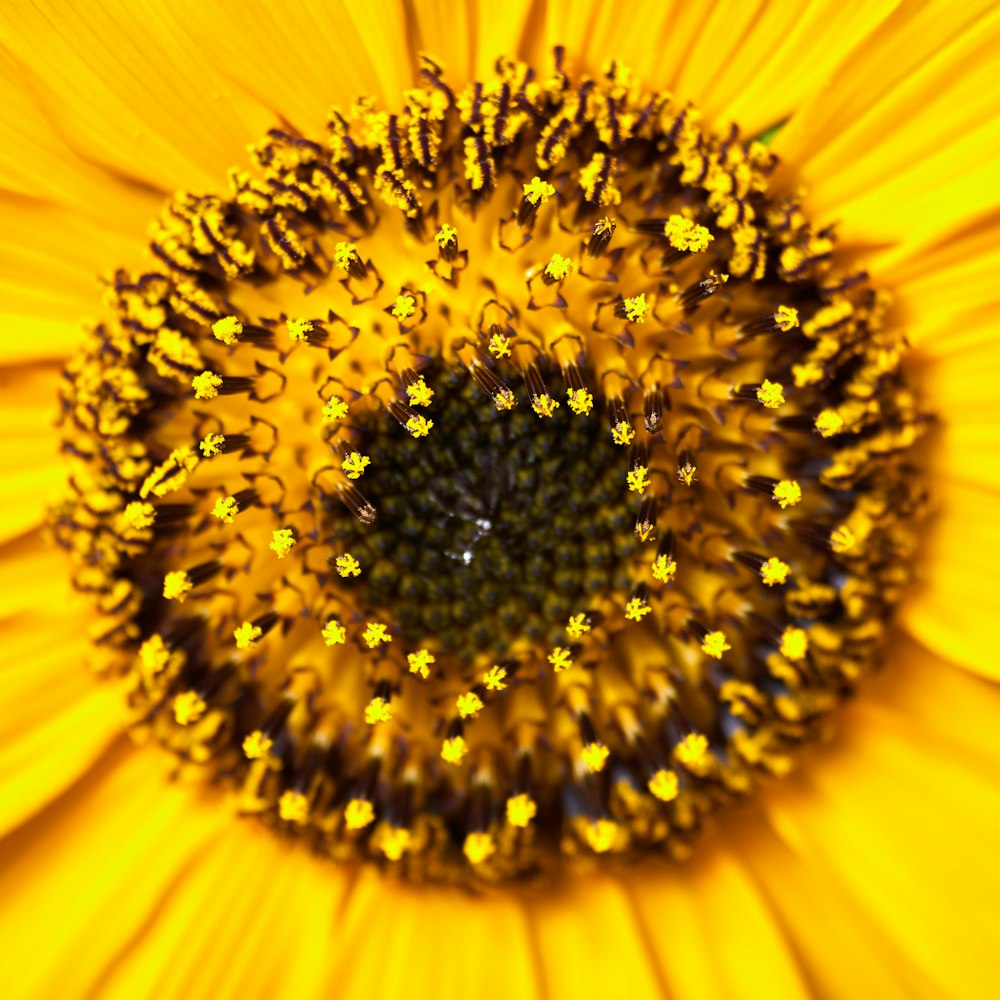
(904, 142)
(952, 610)
(905, 822)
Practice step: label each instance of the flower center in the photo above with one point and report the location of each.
(503, 479)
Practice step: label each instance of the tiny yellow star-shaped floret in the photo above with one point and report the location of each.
(358, 814)
(664, 569)
(293, 807)
(355, 464)
(774, 571)
(595, 756)
(794, 643)
(469, 704)
(479, 847)
(454, 749)
(419, 426)
(601, 835)
(663, 785)
(788, 493)
(692, 751)
(521, 810)
(420, 662)
(211, 444)
(538, 191)
(495, 678)
(189, 707)
(636, 308)
(715, 644)
(419, 392)
(376, 634)
(395, 842)
(334, 411)
(206, 385)
(686, 235)
(544, 405)
(577, 626)
(499, 346)
(404, 307)
(786, 318)
(344, 255)
(246, 635)
(561, 659)
(638, 479)
(687, 473)
(829, 423)
(636, 609)
(771, 394)
(334, 634)
(282, 541)
(446, 234)
(257, 745)
(842, 540)
(176, 585)
(299, 330)
(226, 509)
(228, 330)
(622, 433)
(581, 402)
(347, 565)
(138, 515)
(558, 267)
(377, 710)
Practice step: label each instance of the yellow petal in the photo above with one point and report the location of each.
(903, 143)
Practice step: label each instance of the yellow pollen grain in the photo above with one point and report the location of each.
(622, 433)
(358, 814)
(246, 635)
(499, 346)
(225, 509)
(558, 267)
(692, 751)
(638, 479)
(189, 707)
(176, 585)
(601, 835)
(829, 423)
(347, 565)
(577, 626)
(257, 746)
(594, 756)
(420, 662)
(334, 411)
(299, 330)
(446, 234)
(404, 307)
(206, 385)
(774, 571)
(636, 308)
(842, 540)
(355, 464)
(479, 847)
(636, 609)
(794, 643)
(686, 235)
(377, 710)
(495, 678)
(282, 541)
(664, 569)
(544, 405)
(538, 191)
(293, 807)
(715, 644)
(211, 444)
(581, 402)
(344, 255)
(154, 655)
(395, 842)
(561, 659)
(521, 810)
(334, 634)
(786, 318)
(505, 400)
(138, 515)
(454, 749)
(376, 634)
(419, 426)
(663, 785)
(788, 493)
(771, 394)
(228, 330)
(469, 704)
(419, 392)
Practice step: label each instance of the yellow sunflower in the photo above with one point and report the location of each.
(475, 495)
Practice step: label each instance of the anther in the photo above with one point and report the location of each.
(346, 257)
(604, 229)
(447, 241)
(488, 382)
(536, 193)
(652, 409)
(687, 469)
(645, 520)
(694, 295)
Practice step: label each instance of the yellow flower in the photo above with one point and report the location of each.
(842, 880)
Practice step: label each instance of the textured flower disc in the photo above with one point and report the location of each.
(505, 479)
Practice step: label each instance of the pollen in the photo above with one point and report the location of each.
(715, 644)
(663, 785)
(787, 492)
(358, 814)
(521, 810)
(771, 394)
(537, 595)
(774, 571)
(334, 634)
(189, 707)
(282, 542)
(377, 710)
(206, 385)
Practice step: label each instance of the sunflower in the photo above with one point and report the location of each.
(482, 493)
